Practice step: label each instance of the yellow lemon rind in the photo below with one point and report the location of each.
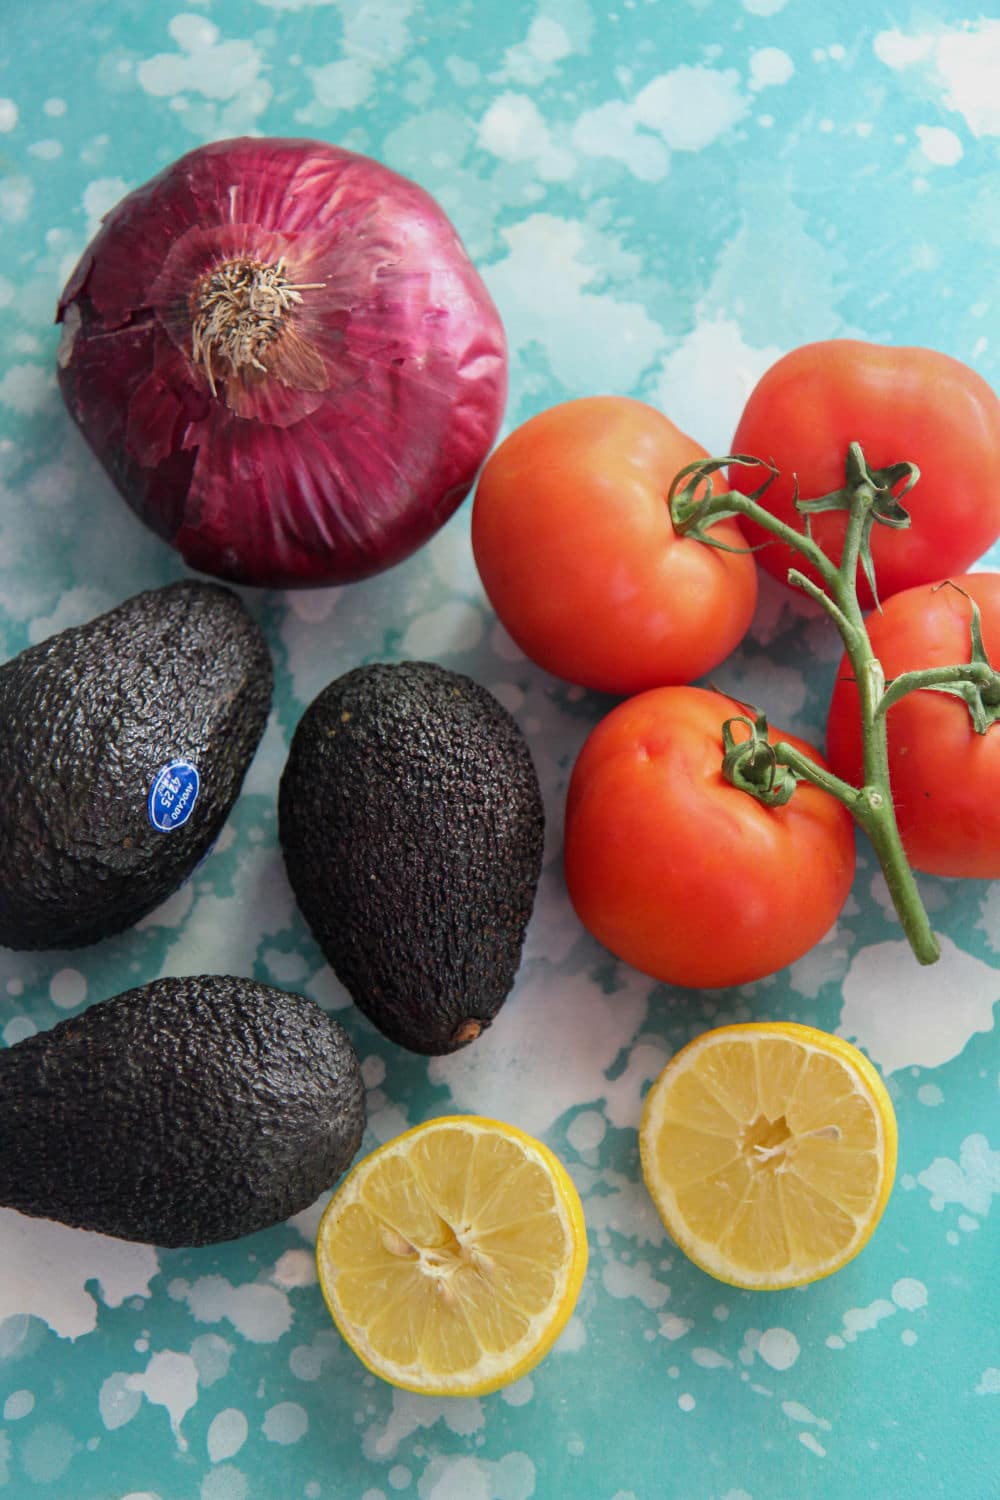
(491, 1373)
(869, 1081)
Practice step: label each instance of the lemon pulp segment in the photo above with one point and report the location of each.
(452, 1257)
(770, 1151)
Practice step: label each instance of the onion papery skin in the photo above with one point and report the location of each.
(381, 395)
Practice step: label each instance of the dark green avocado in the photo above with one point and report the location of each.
(123, 746)
(182, 1113)
(412, 826)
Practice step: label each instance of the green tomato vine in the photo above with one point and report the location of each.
(769, 772)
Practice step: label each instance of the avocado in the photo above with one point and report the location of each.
(123, 746)
(182, 1113)
(412, 826)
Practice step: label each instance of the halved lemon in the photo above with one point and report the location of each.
(770, 1151)
(452, 1257)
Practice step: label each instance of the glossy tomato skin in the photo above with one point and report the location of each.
(899, 404)
(682, 875)
(945, 778)
(577, 553)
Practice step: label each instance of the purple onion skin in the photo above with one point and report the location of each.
(382, 394)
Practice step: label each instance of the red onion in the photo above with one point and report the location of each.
(285, 360)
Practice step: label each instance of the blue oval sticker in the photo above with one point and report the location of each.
(173, 795)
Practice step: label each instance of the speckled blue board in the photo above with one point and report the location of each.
(663, 197)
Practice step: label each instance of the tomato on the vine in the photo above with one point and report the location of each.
(900, 404)
(681, 874)
(573, 540)
(945, 778)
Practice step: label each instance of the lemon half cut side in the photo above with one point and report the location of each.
(452, 1257)
(769, 1150)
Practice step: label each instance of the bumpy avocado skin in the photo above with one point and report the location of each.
(87, 720)
(182, 1113)
(412, 826)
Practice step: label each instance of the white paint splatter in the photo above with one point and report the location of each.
(796, 1412)
(989, 1382)
(520, 1393)
(293, 1269)
(710, 1359)
(586, 1130)
(621, 1280)
(99, 197)
(455, 626)
(204, 65)
(17, 1029)
(940, 145)
(47, 1452)
(778, 1348)
(326, 989)
(532, 61)
(221, 930)
(761, 8)
(67, 988)
(46, 1268)
(509, 1478)
(285, 1423)
(211, 1353)
(691, 107)
(971, 1181)
(16, 195)
(344, 84)
(26, 388)
(227, 1432)
(73, 607)
(169, 1380)
(930, 1095)
(863, 1319)
(225, 1483)
(686, 1402)
(577, 1033)
(808, 1440)
(673, 1328)
(514, 129)
(410, 1413)
(117, 1400)
(963, 61)
(591, 340)
(8, 116)
(611, 130)
(769, 68)
(909, 1294)
(703, 383)
(262, 1314)
(893, 1008)
(17, 1405)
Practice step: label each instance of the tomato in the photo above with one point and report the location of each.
(899, 404)
(945, 777)
(683, 875)
(577, 553)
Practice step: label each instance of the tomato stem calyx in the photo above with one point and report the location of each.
(752, 765)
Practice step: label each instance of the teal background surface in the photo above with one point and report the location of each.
(662, 197)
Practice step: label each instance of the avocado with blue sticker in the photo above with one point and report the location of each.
(123, 746)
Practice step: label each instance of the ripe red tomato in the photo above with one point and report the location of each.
(576, 550)
(945, 778)
(683, 875)
(899, 404)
